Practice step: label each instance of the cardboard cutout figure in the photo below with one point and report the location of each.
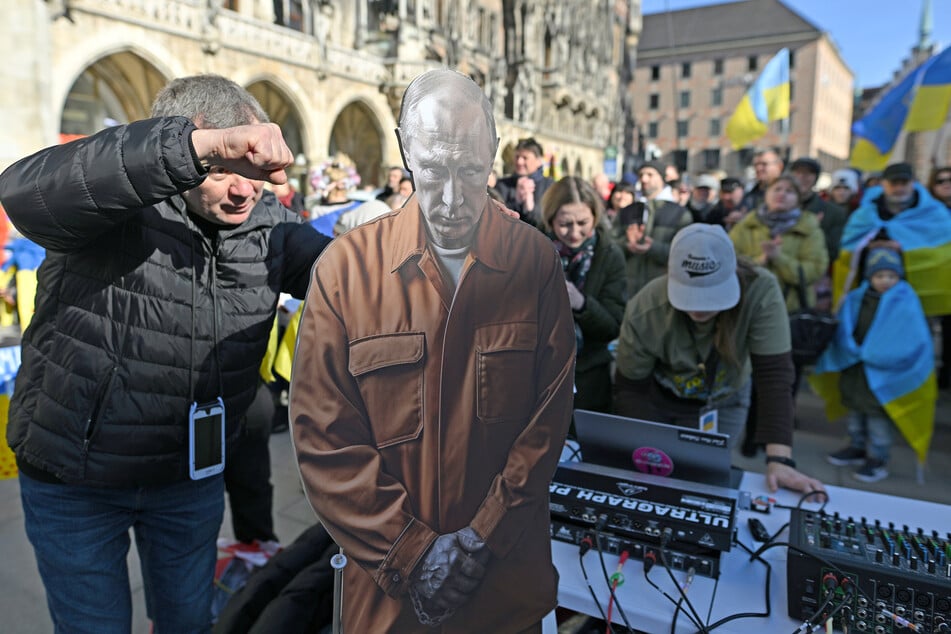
(432, 389)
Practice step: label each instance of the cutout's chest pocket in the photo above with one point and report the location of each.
(505, 371)
(389, 370)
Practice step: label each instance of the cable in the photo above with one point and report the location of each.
(649, 560)
(802, 498)
(716, 585)
(617, 579)
(584, 548)
(808, 624)
(690, 574)
(574, 454)
(766, 591)
(821, 560)
(663, 560)
(607, 579)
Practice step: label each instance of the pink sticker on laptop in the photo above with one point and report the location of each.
(653, 461)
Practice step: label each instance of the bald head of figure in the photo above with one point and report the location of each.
(447, 132)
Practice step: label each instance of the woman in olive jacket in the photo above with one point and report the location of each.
(595, 279)
(785, 240)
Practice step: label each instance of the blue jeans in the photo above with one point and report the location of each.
(80, 535)
(874, 430)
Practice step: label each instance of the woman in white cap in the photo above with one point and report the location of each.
(692, 341)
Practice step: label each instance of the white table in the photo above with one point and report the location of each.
(741, 582)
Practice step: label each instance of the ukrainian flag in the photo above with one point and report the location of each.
(898, 360)
(766, 100)
(932, 102)
(919, 102)
(924, 234)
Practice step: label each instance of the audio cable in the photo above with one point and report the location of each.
(602, 521)
(649, 560)
(664, 540)
(617, 579)
(830, 583)
(766, 593)
(825, 562)
(583, 548)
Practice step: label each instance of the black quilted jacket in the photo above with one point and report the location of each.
(139, 310)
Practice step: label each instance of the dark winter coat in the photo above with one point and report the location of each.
(139, 309)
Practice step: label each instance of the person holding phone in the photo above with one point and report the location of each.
(647, 234)
(165, 258)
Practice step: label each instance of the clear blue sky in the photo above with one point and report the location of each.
(874, 36)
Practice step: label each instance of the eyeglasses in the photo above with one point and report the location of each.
(943, 181)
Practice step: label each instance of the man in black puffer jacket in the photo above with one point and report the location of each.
(164, 263)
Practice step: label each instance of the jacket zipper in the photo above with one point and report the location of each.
(93, 418)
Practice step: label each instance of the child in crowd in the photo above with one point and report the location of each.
(880, 366)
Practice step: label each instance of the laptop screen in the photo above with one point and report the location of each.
(654, 448)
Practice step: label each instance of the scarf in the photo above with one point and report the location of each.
(778, 222)
(576, 264)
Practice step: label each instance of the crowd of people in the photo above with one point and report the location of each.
(439, 352)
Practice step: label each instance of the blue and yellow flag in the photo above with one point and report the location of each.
(932, 101)
(924, 234)
(898, 360)
(919, 102)
(766, 100)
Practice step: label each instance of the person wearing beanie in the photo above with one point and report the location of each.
(645, 233)
(695, 340)
(879, 369)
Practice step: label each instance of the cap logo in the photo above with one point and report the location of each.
(699, 266)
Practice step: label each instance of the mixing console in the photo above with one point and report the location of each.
(892, 579)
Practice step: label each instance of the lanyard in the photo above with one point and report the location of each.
(709, 365)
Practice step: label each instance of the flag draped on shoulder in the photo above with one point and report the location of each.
(919, 102)
(924, 234)
(898, 360)
(766, 100)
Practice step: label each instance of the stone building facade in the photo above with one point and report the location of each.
(695, 65)
(330, 72)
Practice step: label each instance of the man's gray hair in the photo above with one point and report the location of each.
(211, 101)
(425, 84)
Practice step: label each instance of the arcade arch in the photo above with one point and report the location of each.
(356, 133)
(114, 89)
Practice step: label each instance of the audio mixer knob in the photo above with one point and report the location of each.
(913, 563)
(896, 558)
(931, 566)
(879, 556)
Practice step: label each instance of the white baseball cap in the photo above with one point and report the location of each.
(701, 270)
(845, 178)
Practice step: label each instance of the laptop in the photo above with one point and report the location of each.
(657, 449)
